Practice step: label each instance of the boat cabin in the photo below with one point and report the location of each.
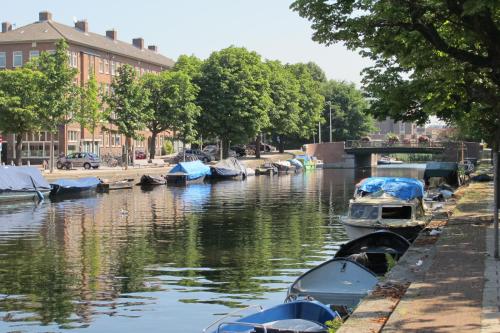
(385, 210)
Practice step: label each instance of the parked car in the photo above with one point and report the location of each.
(140, 155)
(239, 150)
(201, 155)
(213, 151)
(264, 147)
(86, 160)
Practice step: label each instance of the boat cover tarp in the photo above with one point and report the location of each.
(86, 182)
(296, 163)
(337, 281)
(300, 316)
(303, 157)
(402, 188)
(193, 170)
(379, 241)
(230, 167)
(22, 179)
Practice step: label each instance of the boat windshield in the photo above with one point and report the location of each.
(401, 212)
(364, 212)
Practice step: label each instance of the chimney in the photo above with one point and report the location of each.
(138, 42)
(153, 48)
(82, 25)
(6, 26)
(45, 16)
(112, 34)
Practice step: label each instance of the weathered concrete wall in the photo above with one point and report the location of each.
(453, 151)
(332, 154)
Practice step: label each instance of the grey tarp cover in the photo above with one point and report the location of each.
(14, 178)
(230, 167)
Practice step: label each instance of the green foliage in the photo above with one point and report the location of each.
(334, 325)
(127, 103)
(168, 147)
(350, 118)
(311, 101)
(391, 262)
(191, 65)
(60, 96)
(90, 114)
(317, 72)
(431, 57)
(234, 95)
(392, 137)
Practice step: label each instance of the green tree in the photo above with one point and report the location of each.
(311, 101)
(191, 65)
(126, 105)
(171, 105)
(90, 115)
(349, 109)
(285, 110)
(60, 95)
(234, 96)
(431, 56)
(20, 97)
(317, 72)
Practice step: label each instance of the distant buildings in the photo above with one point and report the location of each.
(89, 53)
(410, 131)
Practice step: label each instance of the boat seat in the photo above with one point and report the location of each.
(291, 326)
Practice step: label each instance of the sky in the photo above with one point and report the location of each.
(200, 27)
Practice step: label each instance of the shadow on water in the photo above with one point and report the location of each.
(136, 260)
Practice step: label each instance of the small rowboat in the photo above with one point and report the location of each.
(106, 186)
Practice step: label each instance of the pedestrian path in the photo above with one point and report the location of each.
(490, 321)
(449, 296)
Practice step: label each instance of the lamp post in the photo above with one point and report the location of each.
(319, 131)
(330, 110)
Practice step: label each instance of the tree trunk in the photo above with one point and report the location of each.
(496, 195)
(93, 142)
(225, 148)
(257, 146)
(51, 158)
(281, 145)
(19, 149)
(152, 147)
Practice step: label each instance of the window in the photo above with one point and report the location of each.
(106, 66)
(91, 65)
(402, 212)
(34, 54)
(51, 52)
(365, 212)
(105, 138)
(101, 66)
(17, 58)
(113, 68)
(3, 60)
(74, 59)
(73, 136)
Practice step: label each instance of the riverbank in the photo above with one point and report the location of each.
(137, 171)
(439, 283)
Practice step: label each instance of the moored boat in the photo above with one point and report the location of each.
(297, 164)
(185, 173)
(284, 166)
(22, 183)
(388, 160)
(229, 168)
(152, 180)
(299, 316)
(338, 282)
(267, 169)
(106, 186)
(375, 250)
(79, 186)
(306, 161)
(386, 203)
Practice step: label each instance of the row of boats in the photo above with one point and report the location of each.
(385, 215)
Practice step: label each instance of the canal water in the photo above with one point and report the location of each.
(168, 259)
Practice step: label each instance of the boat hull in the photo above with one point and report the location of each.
(183, 179)
(119, 185)
(61, 190)
(147, 180)
(11, 196)
(410, 232)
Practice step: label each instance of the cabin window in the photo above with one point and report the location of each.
(403, 212)
(364, 212)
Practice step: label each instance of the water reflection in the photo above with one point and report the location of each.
(167, 259)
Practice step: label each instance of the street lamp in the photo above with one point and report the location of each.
(330, 109)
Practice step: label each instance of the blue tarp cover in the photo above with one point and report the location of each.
(78, 183)
(14, 178)
(402, 188)
(194, 169)
(303, 157)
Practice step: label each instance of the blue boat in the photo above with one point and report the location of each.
(300, 316)
(373, 250)
(188, 172)
(79, 186)
(338, 282)
(22, 183)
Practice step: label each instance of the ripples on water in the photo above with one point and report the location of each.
(169, 259)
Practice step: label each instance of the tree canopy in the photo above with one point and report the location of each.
(234, 96)
(431, 57)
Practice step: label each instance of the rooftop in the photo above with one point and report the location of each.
(48, 30)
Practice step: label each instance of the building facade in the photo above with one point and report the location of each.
(89, 53)
(402, 129)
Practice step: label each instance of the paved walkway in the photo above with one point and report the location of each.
(449, 296)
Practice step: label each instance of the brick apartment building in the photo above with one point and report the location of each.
(403, 129)
(89, 53)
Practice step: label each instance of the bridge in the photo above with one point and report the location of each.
(358, 153)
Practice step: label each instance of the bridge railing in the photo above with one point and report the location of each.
(388, 144)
